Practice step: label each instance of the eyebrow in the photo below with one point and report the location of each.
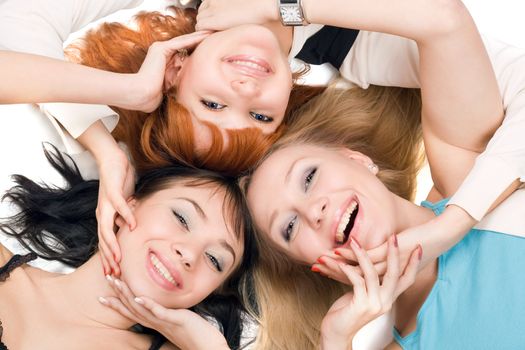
(228, 247)
(197, 207)
(286, 181)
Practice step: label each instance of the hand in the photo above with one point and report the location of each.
(182, 327)
(149, 80)
(221, 15)
(369, 298)
(117, 183)
(435, 237)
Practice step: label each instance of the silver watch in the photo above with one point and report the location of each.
(291, 13)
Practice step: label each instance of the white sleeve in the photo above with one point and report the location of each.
(383, 59)
(41, 27)
(504, 158)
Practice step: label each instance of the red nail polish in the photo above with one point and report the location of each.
(337, 252)
(356, 242)
(315, 269)
(320, 260)
(420, 252)
(395, 241)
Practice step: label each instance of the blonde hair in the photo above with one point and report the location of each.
(383, 123)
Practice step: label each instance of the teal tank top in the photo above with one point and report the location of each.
(478, 299)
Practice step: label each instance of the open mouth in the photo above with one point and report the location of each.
(347, 223)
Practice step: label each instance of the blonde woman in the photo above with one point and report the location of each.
(338, 192)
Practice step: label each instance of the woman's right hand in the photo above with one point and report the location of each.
(370, 297)
(149, 82)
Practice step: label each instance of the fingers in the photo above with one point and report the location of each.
(391, 277)
(116, 304)
(409, 275)
(185, 41)
(370, 275)
(358, 283)
(160, 312)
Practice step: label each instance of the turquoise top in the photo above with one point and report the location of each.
(478, 299)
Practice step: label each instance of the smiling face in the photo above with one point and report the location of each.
(324, 196)
(182, 248)
(238, 78)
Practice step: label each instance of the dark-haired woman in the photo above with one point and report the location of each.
(188, 250)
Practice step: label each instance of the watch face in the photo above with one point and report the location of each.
(291, 14)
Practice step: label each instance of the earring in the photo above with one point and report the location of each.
(182, 53)
(373, 168)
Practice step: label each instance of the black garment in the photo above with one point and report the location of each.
(329, 44)
(15, 261)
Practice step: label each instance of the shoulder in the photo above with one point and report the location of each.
(5, 255)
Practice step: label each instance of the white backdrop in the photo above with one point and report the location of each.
(22, 130)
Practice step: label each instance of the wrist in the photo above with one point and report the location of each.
(336, 343)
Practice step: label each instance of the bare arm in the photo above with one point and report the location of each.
(28, 78)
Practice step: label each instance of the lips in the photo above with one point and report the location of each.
(249, 65)
(162, 271)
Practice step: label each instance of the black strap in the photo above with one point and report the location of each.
(15, 261)
(330, 44)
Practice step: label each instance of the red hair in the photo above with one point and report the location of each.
(165, 135)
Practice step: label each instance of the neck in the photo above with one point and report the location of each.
(410, 214)
(284, 35)
(79, 293)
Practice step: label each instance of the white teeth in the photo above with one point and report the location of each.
(161, 269)
(340, 232)
(250, 64)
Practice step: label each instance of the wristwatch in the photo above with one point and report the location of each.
(291, 13)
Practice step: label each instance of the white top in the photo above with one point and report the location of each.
(41, 27)
(387, 60)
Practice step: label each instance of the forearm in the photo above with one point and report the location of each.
(100, 142)
(329, 343)
(30, 78)
(413, 19)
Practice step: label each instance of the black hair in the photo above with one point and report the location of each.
(60, 224)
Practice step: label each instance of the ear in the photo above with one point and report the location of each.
(173, 69)
(360, 158)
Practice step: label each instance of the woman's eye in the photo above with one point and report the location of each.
(288, 230)
(215, 262)
(213, 105)
(309, 177)
(181, 219)
(261, 117)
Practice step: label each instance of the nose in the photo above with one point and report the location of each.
(246, 87)
(185, 255)
(316, 211)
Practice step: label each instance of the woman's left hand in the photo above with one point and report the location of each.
(221, 15)
(369, 299)
(182, 327)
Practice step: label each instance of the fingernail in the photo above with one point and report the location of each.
(337, 252)
(103, 300)
(139, 301)
(109, 278)
(354, 241)
(315, 269)
(320, 260)
(395, 241)
(118, 284)
(420, 252)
